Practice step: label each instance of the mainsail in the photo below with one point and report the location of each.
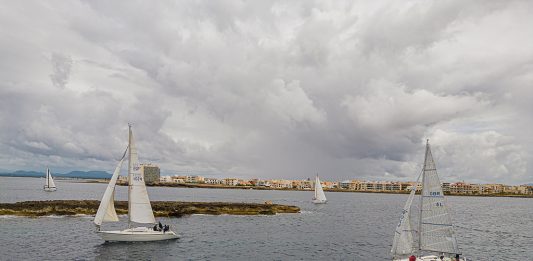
(403, 243)
(435, 224)
(49, 180)
(140, 210)
(106, 211)
(319, 192)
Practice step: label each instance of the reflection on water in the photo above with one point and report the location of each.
(351, 226)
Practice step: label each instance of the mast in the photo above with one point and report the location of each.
(129, 175)
(316, 181)
(421, 198)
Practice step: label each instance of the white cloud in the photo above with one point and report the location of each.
(270, 89)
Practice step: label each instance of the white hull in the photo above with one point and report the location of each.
(50, 189)
(318, 201)
(137, 235)
(431, 258)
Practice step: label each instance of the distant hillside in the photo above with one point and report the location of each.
(73, 174)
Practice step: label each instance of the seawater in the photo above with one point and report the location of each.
(352, 226)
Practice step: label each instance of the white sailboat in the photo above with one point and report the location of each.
(435, 236)
(49, 184)
(319, 197)
(139, 208)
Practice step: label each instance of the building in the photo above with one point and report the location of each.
(166, 179)
(150, 172)
(212, 181)
(230, 181)
(263, 183)
(194, 179)
(281, 183)
(306, 184)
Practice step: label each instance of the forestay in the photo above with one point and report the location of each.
(436, 230)
(106, 211)
(319, 192)
(140, 210)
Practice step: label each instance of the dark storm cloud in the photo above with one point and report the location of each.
(270, 89)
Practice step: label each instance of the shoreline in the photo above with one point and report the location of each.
(212, 186)
(160, 208)
(209, 186)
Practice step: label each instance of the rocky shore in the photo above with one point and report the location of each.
(160, 208)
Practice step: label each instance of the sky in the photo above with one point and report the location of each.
(270, 89)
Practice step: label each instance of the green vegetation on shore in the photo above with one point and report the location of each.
(160, 208)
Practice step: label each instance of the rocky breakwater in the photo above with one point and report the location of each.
(160, 208)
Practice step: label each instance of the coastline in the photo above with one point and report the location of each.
(211, 186)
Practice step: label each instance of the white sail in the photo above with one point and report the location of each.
(403, 243)
(435, 224)
(51, 183)
(140, 210)
(106, 211)
(319, 192)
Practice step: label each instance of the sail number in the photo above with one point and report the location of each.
(138, 178)
(439, 204)
(435, 193)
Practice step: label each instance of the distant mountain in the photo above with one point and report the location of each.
(95, 174)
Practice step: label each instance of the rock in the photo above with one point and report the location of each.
(160, 208)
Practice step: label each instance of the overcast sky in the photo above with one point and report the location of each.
(270, 89)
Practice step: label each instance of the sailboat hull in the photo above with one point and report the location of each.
(319, 201)
(50, 189)
(432, 258)
(141, 234)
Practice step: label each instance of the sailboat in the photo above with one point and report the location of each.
(139, 208)
(435, 236)
(49, 184)
(319, 197)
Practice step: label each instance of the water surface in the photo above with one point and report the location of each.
(352, 226)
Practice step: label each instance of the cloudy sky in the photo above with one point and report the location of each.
(271, 89)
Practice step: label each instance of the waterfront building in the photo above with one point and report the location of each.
(150, 172)
(179, 179)
(306, 184)
(329, 184)
(194, 179)
(212, 181)
(494, 188)
(263, 183)
(230, 181)
(244, 182)
(166, 179)
(281, 183)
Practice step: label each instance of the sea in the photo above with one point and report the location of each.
(351, 226)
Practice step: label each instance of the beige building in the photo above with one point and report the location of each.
(230, 181)
(212, 181)
(194, 179)
(281, 183)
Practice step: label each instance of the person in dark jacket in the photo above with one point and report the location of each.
(412, 258)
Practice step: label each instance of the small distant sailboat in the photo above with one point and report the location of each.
(49, 185)
(435, 235)
(319, 197)
(139, 208)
